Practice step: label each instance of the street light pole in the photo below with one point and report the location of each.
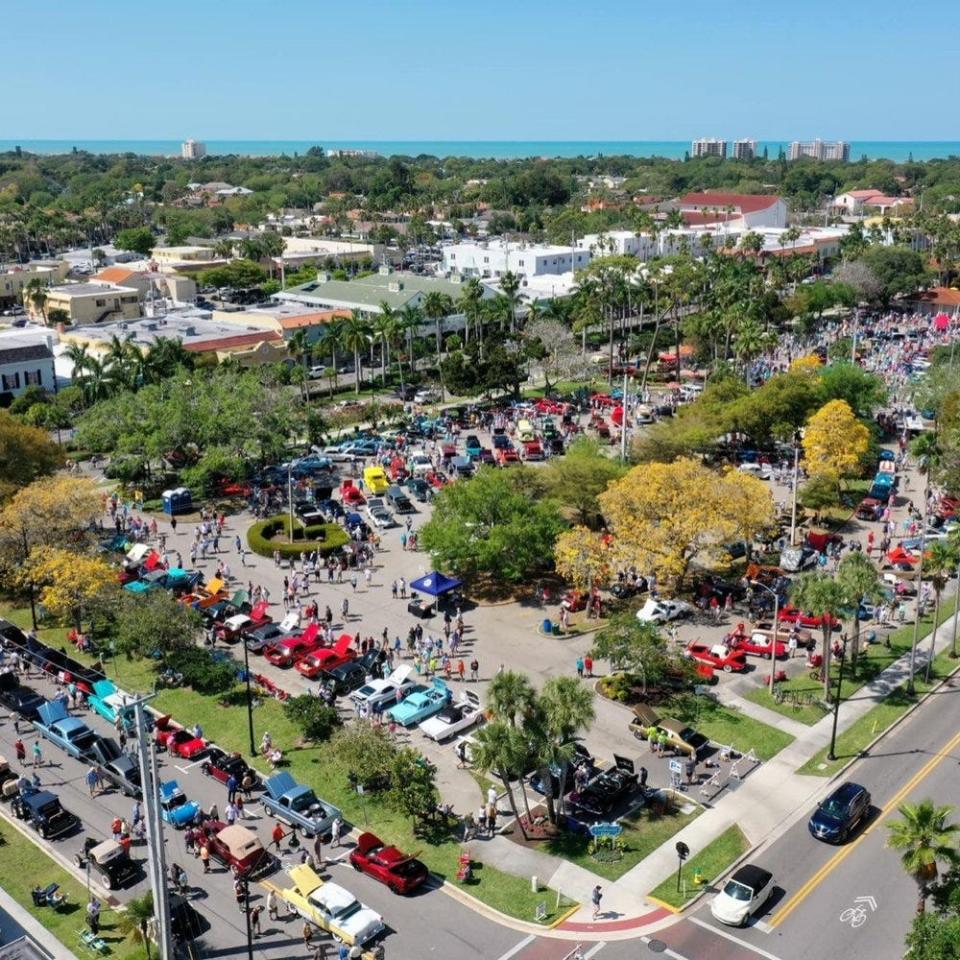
(916, 620)
(831, 755)
(246, 673)
(793, 499)
(776, 630)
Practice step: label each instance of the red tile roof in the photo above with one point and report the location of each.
(744, 202)
(115, 274)
(228, 343)
(302, 320)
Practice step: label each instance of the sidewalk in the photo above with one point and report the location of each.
(774, 793)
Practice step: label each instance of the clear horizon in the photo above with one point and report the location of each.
(535, 71)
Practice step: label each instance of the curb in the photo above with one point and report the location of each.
(664, 904)
(491, 913)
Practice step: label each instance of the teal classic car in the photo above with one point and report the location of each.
(107, 701)
(421, 704)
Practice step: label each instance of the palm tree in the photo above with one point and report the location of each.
(510, 697)
(356, 338)
(954, 541)
(437, 306)
(223, 248)
(298, 348)
(939, 565)
(502, 750)
(79, 356)
(926, 839)
(860, 582)
(384, 328)
(510, 287)
(136, 919)
(35, 292)
(331, 342)
(820, 594)
(410, 321)
(469, 305)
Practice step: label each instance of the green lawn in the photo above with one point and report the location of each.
(727, 726)
(315, 765)
(712, 861)
(874, 659)
(25, 865)
(866, 729)
(643, 833)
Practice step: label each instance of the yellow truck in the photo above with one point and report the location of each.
(376, 480)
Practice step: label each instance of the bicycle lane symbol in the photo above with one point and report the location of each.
(857, 915)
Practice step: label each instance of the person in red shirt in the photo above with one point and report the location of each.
(278, 835)
(588, 665)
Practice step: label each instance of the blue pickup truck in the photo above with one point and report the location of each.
(297, 805)
(68, 733)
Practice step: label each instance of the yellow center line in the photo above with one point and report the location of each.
(845, 852)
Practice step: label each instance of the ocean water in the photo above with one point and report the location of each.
(899, 150)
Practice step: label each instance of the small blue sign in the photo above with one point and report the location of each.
(605, 830)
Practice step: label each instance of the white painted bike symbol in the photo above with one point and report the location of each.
(855, 916)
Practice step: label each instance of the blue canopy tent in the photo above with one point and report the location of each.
(435, 584)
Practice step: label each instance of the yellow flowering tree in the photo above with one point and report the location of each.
(834, 442)
(665, 515)
(811, 362)
(71, 584)
(583, 557)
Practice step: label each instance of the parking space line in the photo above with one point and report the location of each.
(520, 946)
(189, 766)
(729, 936)
(594, 950)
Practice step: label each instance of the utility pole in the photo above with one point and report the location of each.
(793, 497)
(916, 619)
(149, 780)
(623, 422)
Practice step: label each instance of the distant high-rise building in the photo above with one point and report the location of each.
(708, 147)
(744, 149)
(192, 150)
(820, 150)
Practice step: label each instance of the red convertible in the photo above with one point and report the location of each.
(756, 644)
(351, 495)
(790, 614)
(289, 650)
(718, 657)
(178, 741)
(400, 872)
(326, 658)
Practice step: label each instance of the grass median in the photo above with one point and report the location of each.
(25, 865)
(316, 766)
(712, 861)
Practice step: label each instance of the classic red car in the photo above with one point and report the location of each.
(436, 480)
(552, 407)
(222, 765)
(448, 450)
(602, 400)
(790, 614)
(237, 848)
(532, 450)
(173, 738)
(753, 644)
(326, 658)
(401, 872)
(717, 656)
(507, 455)
(287, 651)
(948, 507)
(351, 495)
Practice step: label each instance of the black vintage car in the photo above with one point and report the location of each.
(43, 811)
(602, 795)
(18, 698)
(110, 861)
(221, 765)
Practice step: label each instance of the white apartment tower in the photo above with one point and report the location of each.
(193, 150)
(708, 147)
(744, 149)
(820, 150)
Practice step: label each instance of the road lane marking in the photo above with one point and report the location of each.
(594, 950)
(520, 946)
(737, 940)
(845, 852)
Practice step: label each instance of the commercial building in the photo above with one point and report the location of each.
(14, 278)
(285, 319)
(493, 258)
(819, 150)
(854, 202)
(88, 303)
(744, 149)
(193, 150)
(150, 284)
(25, 361)
(708, 147)
(184, 258)
(736, 210)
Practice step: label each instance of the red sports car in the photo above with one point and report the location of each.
(351, 495)
(401, 872)
(753, 644)
(288, 651)
(178, 741)
(791, 614)
(326, 658)
(717, 656)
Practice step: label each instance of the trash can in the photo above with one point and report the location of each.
(548, 626)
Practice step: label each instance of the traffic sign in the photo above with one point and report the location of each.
(676, 766)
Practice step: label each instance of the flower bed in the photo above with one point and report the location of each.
(325, 538)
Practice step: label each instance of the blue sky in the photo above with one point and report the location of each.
(446, 69)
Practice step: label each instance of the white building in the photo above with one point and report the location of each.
(621, 243)
(26, 361)
(193, 150)
(736, 210)
(708, 147)
(854, 202)
(493, 258)
(820, 150)
(744, 149)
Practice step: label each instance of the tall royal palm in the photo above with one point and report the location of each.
(331, 344)
(437, 307)
(356, 338)
(820, 594)
(410, 319)
(502, 751)
(861, 583)
(939, 566)
(926, 840)
(384, 328)
(510, 696)
(469, 305)
(510, 288)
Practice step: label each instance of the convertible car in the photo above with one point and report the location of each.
(401, 872)
(421, 704)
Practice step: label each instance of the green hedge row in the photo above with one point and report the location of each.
(325, 538)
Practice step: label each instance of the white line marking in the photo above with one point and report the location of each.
(733, 939)
(666, 950)
(523, 943)
(762, 926)
(595, 949)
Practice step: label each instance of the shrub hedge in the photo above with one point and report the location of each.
(325, 538)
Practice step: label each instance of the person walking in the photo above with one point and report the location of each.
(335, 829)
(93, 916)
(595, 897)
(588, 665)
(231, 788)
(579, 666)
(205, 855)
(93, 780)
(278, 836)
(255, 919)
(37, 754)
(272, 912)
(21, 752)
(474, 670)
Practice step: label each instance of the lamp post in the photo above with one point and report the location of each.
(916, 622)
(776, 629)
(793, 498)
(831, 755)
(246, 674)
